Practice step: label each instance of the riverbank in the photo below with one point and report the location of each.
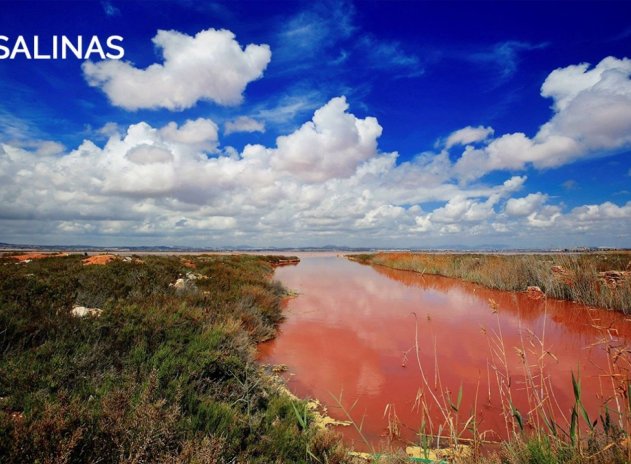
(595, 279)
(146, 359)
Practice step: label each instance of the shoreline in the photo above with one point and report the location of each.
(599, 280)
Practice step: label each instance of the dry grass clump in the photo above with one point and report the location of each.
(585, 278)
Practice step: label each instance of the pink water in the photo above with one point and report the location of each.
(352, 329)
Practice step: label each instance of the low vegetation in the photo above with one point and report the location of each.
(161, 370)
(595, 279)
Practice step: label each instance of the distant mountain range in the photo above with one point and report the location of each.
(178, 249)
(345, 249)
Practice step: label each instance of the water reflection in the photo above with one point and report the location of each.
(352, 330)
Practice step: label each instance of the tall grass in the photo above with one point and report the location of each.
(544, 432)
(574, 277)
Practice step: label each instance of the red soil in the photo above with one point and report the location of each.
(37, 255)
(99, 260)
(189, 264)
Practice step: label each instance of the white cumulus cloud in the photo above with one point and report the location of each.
(331, 145)
(326, 182)
(209, 66)
(592, 117)
(525, 205)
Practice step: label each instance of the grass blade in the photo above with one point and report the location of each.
(573, 424)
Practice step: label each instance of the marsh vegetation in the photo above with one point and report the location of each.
(160, 373)
(595, 279)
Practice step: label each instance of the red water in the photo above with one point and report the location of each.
(352, 327)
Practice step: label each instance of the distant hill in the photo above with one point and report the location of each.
(288, 249)
(174, 249)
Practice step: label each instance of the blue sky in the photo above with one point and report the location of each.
(311, 123)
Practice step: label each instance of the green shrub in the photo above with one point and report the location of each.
(159, 376)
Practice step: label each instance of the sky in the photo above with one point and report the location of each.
(368, 123)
